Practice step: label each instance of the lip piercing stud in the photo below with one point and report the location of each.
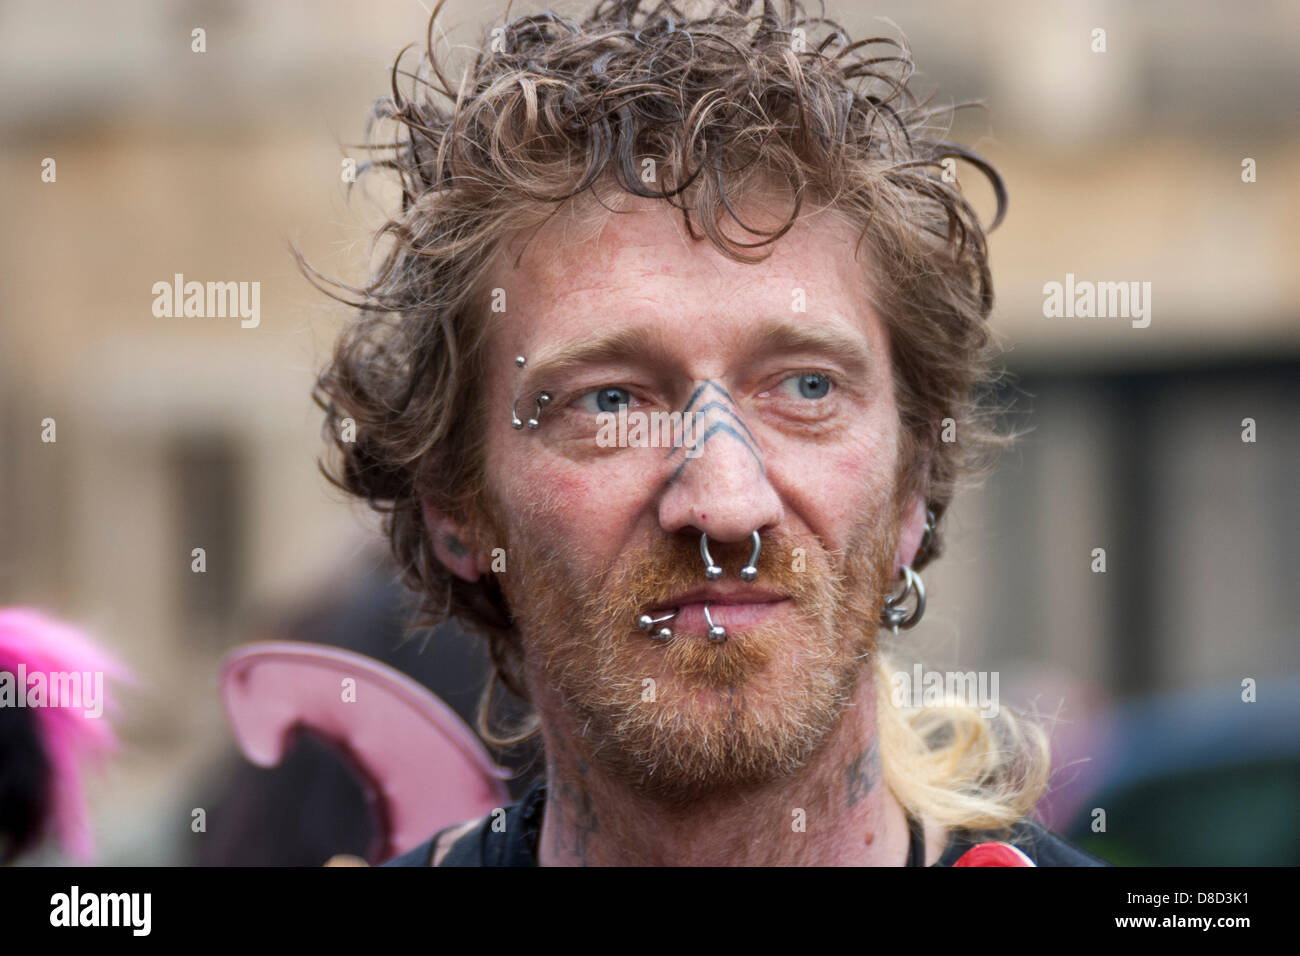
(750, 571)
(533, 422)
(717, 633)
(645, 622)
(711, 570)
(520, 361)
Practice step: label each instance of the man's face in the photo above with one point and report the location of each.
(786, 369)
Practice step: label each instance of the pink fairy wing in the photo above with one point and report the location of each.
(423, 767)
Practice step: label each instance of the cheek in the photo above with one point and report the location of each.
(578, 510)
(851, 482)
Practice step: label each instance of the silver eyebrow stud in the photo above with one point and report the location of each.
(536, 420)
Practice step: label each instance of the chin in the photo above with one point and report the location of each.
(719, 719)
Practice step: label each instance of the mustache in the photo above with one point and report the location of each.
(799, 568)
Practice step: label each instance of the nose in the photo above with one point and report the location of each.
(721, 488)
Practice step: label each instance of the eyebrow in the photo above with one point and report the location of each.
(645, 344)
(621, 345)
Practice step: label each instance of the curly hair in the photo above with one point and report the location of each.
(723, 102)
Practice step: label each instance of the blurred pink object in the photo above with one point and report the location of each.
(423, 768)
(37, 643)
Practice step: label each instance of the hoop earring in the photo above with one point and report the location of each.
(895, 615)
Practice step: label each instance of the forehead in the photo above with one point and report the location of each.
(578, 275)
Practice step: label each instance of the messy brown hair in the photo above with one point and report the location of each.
(725, 101)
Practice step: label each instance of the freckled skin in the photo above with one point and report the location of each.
(563, 293)
(829, 479)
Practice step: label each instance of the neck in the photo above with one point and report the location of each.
(834, 812)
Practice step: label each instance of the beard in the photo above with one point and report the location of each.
(680, 720)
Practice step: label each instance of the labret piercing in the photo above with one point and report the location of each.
(717, 633)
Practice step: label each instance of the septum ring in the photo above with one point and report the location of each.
(748, 573)
(645, 622)
(536, 420)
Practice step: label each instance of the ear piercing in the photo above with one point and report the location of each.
(748, 573)
(533, 422)
(646, 622)
(894, 615)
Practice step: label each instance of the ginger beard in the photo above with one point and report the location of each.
(722, 716)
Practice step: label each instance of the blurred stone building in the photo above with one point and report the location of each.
(177, 433)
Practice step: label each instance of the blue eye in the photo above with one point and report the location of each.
(607, 399)
(811, 385)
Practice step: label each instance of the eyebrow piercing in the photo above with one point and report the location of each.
(533, 422)
(645, 622)
(748, 573)
(717, 633)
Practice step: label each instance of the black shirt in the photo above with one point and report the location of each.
(515, 844)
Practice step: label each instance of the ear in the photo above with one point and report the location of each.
(450, 544)
(910, 532)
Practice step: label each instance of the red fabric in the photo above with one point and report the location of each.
(994, 854)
